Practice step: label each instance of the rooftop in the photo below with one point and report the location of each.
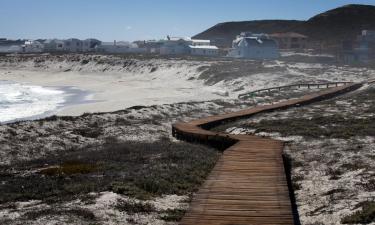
(203, 47)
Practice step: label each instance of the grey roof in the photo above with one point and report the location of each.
(261, 42)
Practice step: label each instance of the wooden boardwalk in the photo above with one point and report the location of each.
(299, 85)
(249, 184)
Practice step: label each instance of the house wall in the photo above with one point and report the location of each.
(255, 52)
(10, 48)
(73, 45)
(174, 48)
(118, 49)
(89, 45)
(53, 46)
(204, 52)
(33, 47)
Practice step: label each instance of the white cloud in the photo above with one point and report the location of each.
(129, 27)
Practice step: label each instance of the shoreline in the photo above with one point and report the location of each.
(113, 91)
(73, 96)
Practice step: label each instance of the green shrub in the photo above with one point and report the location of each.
(132, 207)
(137, 169)
(364, 216)
(83, 213)
(70, 168)
(129, 189)
(173, 215)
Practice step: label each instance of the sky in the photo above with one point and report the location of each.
(130, 20)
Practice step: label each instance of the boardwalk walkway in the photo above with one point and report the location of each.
(248, 185)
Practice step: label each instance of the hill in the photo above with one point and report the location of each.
(341, 23)
(224, 33)
(331, 26)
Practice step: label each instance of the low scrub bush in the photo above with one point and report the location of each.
(70, 168)
(132, 207)
(173, 215)
(139, 170)
(364, 216)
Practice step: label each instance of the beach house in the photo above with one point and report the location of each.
(185, 46)
(9, 46)
(254, 46)
(203, 48)
(73, 45)
(359, 50)
(119, 47)
(53, 45)
(32, 47)
(175, 46)
(89, 45)
(366, 46)
(151, 46)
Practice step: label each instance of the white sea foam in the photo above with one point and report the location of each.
(18, 101)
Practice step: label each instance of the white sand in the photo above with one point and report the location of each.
(114, 86)
(116, 91)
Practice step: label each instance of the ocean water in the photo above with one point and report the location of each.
(21, 101)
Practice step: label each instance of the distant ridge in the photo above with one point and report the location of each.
(331, 26)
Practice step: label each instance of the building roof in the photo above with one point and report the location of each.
(264, 42)
(178, 39)
(200, 41)
(203, 47)
(288, 35)
(54, 41)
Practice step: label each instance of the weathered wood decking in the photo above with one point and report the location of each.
(299, 85)
(249, 184)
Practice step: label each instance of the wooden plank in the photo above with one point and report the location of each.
(248, 184)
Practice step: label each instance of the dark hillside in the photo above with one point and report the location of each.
(332, 26)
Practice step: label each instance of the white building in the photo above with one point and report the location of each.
(11, 49)
(185, 46)
(119, 47)
(175, 46)
(53, 45)
(32, 47)
(151, 46)
(254, 46)
(11, 46)
(89, 45)
(204, 50)
(198, 42)
(73, 45)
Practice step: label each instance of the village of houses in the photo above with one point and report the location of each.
(246, 45)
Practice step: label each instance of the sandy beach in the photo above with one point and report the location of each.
(112, 83)
(111, 92)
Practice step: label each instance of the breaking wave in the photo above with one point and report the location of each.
(21, 101)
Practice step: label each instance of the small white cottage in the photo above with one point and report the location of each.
(89, 45)
(185, 46)
(53, 45)
(73, 45)
(175, 46)
(119, 47)
(32, 47)
(204, 50)
(254, 46)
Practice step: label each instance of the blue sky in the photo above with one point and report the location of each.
(130, 20)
